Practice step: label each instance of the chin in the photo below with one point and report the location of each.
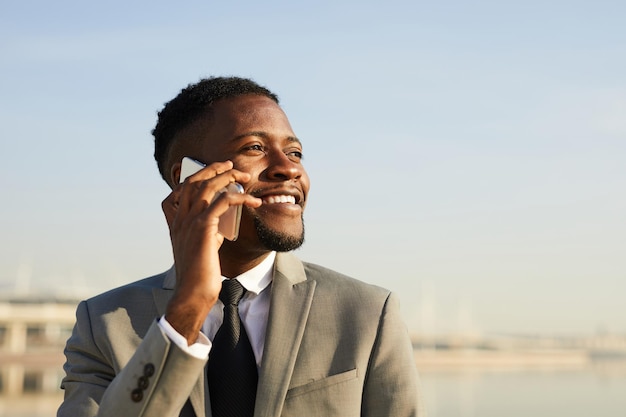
(279, 240)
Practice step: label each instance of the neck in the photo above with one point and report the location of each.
(234, 261)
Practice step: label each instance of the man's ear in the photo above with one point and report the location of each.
(175, 174)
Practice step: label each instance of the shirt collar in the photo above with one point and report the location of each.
(258, 278)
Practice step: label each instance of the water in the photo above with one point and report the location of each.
(576, 393)
(476, 393)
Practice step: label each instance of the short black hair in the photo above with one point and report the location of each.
(190, 104)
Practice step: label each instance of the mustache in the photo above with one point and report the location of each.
(279, 189)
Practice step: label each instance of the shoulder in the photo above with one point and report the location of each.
(131, 293)
(335, 284)
(327, 276)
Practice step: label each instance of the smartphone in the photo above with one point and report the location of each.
(229, 221)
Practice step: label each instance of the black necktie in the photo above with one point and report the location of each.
(232, 371)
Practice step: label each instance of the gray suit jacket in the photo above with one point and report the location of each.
(334, 347)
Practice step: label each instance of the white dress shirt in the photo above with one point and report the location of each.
(253, 309)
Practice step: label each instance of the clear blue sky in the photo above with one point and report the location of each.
(469, 155)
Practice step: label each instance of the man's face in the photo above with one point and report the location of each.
(254, 133)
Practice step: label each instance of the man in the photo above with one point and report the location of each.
(320, 343)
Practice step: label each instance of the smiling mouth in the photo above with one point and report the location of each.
(279, 199)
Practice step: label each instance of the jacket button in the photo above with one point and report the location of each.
(143, 382)
(148, 370)
(136, 395)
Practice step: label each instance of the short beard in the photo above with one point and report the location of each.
(276, 241)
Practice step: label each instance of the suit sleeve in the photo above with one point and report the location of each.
(156, 380)
(391, 384)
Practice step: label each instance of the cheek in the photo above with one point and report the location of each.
(247, 229)
(306, 184)
(245, 165)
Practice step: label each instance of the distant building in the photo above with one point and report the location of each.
(33, 332)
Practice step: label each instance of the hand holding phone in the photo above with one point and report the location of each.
(230, 220)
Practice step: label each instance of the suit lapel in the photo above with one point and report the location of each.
(200, 390)
(291, 299)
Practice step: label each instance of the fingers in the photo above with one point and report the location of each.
(198, 194)
(169, 206)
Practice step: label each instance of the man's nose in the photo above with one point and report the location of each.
(282, 167)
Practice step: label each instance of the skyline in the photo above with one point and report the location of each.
(472, 154)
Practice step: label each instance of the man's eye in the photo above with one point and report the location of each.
(295, 155)
(257, 148)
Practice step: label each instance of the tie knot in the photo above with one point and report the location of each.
(231, 292)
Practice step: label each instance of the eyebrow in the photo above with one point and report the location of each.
(264, 135)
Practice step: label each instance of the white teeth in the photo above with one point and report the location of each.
(273, 199)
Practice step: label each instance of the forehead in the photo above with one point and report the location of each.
(237, 114)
